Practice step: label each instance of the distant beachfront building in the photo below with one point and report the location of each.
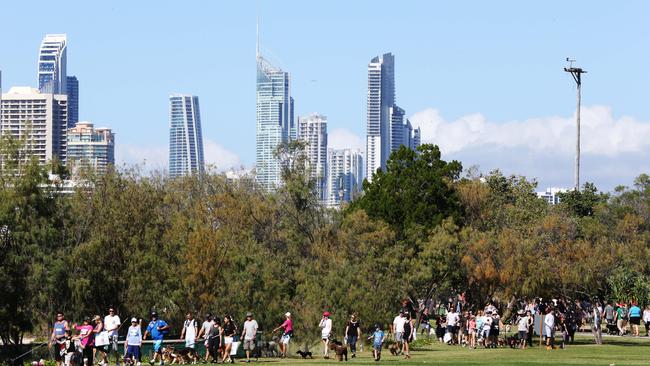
(274, 119)
(345, 175)
(313, 130)
(90, 147)
(52, 61)
(72, 85)
(185, 137)
(552, 195)
(40, 118)
(401, 130)
(380, 98)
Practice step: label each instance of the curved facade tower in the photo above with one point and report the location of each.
(185, 137)
(52, 77)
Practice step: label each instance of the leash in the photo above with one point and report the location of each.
(13, 360)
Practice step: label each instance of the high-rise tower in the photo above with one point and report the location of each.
(72, 85)
(275, 120)
(381, 97)
(185, 137)
(313, 130)
(52, 76)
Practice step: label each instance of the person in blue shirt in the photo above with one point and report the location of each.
(635, 318)
(157, 328)
(133, 342)
(378, 338)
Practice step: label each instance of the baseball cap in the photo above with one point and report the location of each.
(154, 314)
(134, 320)
(249, 314)
(287, 314)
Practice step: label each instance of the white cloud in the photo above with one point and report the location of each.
(217, 155)
(614, 150)
(341, 138)
(601, 133)
(153, 157)
(156, 157)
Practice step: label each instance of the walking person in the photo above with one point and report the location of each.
(133, 342)
(549, 328)
(522, 328)
(635, 318)
(229, 331)
(101, 340)
(249, 332)
(621, 318)
(112, 325)
(531, 324)
(157, 328)
(407, 336)
(287, 326)
(352, 334)
(378, 338)
(398, 329)
(205, 333)
(425, 325)
(596, 324)
(189, 332)
(58, 338)
(471, 330)
(610, 316)
(87, 340)
(326, 329)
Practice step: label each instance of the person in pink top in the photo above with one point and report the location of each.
(87, 339)
(287, 327)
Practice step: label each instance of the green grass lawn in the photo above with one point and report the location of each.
(616, 351)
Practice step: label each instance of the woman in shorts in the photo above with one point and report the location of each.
(407, 337)
(287, 326)
(229, 330)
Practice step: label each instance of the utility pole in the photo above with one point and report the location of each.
(576, 72)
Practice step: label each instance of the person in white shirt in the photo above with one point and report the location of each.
(452, 322)
(326, 329)
(487, 328)
(398, 328)
(205, 333)
(112, 325)
(646, 320)
(189, 331)
(522, 328)
(248, 335)
(549, 328)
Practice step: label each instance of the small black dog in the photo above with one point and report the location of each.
(513, 342)
(304, 354)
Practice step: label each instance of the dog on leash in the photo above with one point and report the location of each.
(340, 350)
(188, 355)
(304, 354)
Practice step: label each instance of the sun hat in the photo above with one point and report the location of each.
(134, 320)
(327, 313)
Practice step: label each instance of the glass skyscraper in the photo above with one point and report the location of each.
(185, 138)
(275, 121)
(313, 130)
(72, 85)
(381, 97)
(52, 76)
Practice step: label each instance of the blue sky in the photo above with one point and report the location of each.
(482, 78)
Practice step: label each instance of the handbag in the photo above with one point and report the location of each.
(101, 339)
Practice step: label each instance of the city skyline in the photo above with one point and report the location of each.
(462, 85)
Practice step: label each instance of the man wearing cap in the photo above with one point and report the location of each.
(248, 334)
(157, 328)
(58, 337)
(326, 329)
(112, 325)
(286, 335)
(133, 342)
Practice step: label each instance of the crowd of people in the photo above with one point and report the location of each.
(455, 322)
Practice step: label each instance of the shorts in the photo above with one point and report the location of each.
(249, 344)
(114, 343)
(548, 332)
(103, 349)
(286, 337)
(635, 320)
(398, 337)
(59, 352)
(189, 343)
(227, 340)
(523, 334)
(451, 329)
(376, 347)
(325, 336)
(157, 345)
(133, 351)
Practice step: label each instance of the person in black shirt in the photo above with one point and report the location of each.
(229, 331)
(352, 334)
(425, 326)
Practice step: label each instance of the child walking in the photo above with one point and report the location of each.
(378, 338)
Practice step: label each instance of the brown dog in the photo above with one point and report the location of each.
(340, 350)
(393, 348)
